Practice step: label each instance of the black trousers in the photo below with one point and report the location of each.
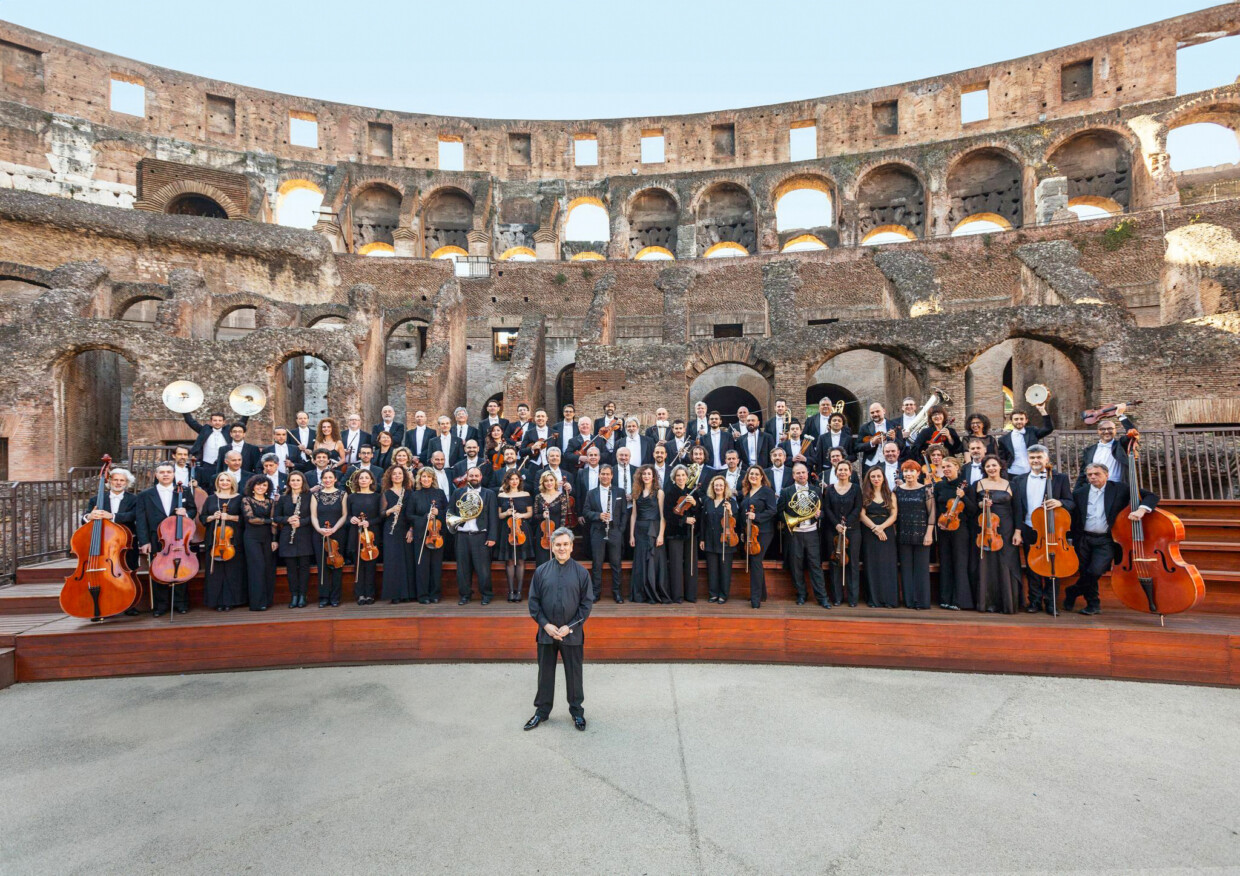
(757, 575)
(719, 574)
(1096, 555)
(605, 552)
(806, 558)
(364, 581)
(330, 584)
(681, 569)
(572, 657)
(473, 558)
(298, 569)
(954, 564)
(915, 575)
(260, 569)
(847, 579)
(164, 600)
(428, 579)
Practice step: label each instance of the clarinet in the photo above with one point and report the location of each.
(400, 503)
(292, 530)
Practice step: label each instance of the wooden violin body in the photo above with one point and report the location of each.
(367, 551)
(331, 553)
(102, 584)
(729, 536)
(988, 538)
(753, 544)
(1151, 575)
(222, 547)
(950, 519)
(546, 528)
(1051, 556)
(433, 537)
(516, 532)
(175, 563)
(683, 504)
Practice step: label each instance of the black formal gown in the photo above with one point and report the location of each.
(295, 546)
(555, 512)
(225, 584)
(330, 507)
(845, 509)
(999, 571)
(504, 549)
(954, 546)
(368, 505)
(911, 523)
(398, 580)
(426, 561)
(766, 508)
(260, 559)
(649, 578)
(881, 572)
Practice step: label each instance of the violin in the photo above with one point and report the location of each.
(753, 543)
(1050, 555)
(518, 433)
(728, 538)
(1092, 417)
(941, 436)
(949, 520)
(367, 550)
(433, 537)
(102, 584)
(497, 458)
(516, 532)
(570, 506)
(541, 444)
(332, 557)
(175, 563)
(1151, 574)
(460, 482)
(989, 538)
(683, 504)
(222, 547)
(606, 432)
(546, 528)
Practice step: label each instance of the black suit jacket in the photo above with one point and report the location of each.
(822, 447)
(397, 430)
(1119, 449)
(786, 481)
(251, 455)
(484, 427)
(204, 432)
(1115, 502)
(488, 520)
(246, 474)
(725, 444)
(1058, 487)
(619, 514)
(471, 434)
(513, 427)
(531, 435)
(812, 426)
(861, 444)
(765, 444)
(453, 449)
(293, 454)
(1033, 434)
(462, 466)
(126, 514)
(363, 438)
(149, 513)
(375, 472)
(300, 459)
(282, 486)
(652, 432)
(769, 426)
(646, 444)
(410, 440)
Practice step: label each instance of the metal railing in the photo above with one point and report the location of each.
(1200, 464)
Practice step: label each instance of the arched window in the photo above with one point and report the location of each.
(891, 196)
(652, 222)
(376, 214)
(297, 202)
(803, 202)
(587, 221)
(724, 250)
(1097, 164)
(380, 250)
(981, 223)
(725, 214)
(804, 243)
(1092, 207)
(985, 183)
(1204, 144)
(654, 254)
(193, 204)
(518, 254)
(236, 324)
(888, 234)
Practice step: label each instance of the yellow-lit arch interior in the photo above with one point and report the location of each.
(517, 251)
(725, 246)
(984, 217)
(376, 247)
(804, 238)
(588, 257)
(653, 250)
(447, 252)
(893, 229)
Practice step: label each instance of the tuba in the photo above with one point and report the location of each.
(802, 506)
(468, 507)
(937, 397)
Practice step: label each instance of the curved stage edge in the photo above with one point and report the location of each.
(1192, 648)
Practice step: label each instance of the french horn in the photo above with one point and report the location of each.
(468, 507)
(802, 506)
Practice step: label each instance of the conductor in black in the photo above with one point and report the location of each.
(560, 599)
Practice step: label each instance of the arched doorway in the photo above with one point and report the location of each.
(728, 399)
(404, 351)
(997, 378)
(564, 387)
(853, 414)
(498, 398)
(301, 385)
(236, 324)
(193, 204)
(727, 386)
(860, 378)
(94, 396)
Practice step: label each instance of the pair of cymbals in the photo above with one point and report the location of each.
(184, 396)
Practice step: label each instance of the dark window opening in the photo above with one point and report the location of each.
(502, 342)
(730, 330)
(723, 138)
(824, 321)
(1076, 81)
(887, 118)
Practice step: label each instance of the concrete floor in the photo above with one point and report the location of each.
(684, 769)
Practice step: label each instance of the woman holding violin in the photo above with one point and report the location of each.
(914, 535)
(999, 559)
(878, 544)
(329, 511)
(495, 444)
(259, 542)
(364, 518)
(513, 546)
(296, 543)
(426, 507)
(758, 511)
(939, 433)
(646, 533)
(953, 504)
(548, 515)
(680, 516)
(397, 538)
(225, 584)
(719, 538)
(842, 510)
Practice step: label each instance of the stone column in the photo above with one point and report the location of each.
(405, 242)
(1050, 200)
(546, 246)
(479, 243)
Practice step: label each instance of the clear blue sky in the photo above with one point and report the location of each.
(587, 60)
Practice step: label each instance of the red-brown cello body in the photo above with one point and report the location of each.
(1150, 574)
(176, 562)
(102, 584)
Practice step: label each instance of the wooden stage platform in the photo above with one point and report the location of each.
(38, 643)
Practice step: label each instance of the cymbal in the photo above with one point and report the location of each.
(182, 396)
(247, 399)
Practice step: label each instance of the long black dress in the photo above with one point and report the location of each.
(225, 585)
(881, 573)
(678, 539)
(766, 506)
(329, 508)
(296, 546)
(503, 546)
(260, 559)
(428, 574)
(364, 504)
(911, 523)
(999, 571)
(845, 509)
(649, 579)
(397, 553)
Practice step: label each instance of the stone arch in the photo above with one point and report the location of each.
(725, 212)
(564, 388)
(588, 220)
(1097, 162)
(1221, 114)
(447, 218)
(804, 243)
(92, 383)
(296, 200)
(730, 363)
(374, 207)
(122, 305)
(1035, 357)
(169, 194)
(817, 211)
(653, 215)
(1217, 109)
(985, 180)
(870, 373)
(299, 379)
(236, 321)
(892, 193)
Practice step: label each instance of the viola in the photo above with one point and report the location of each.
(683, 504)
(460, 482)
(1050, 555)
(518, 433)
(497, 458)
(950, 519)
(728, 538)
(222, 547)
(433, 538)
(606, 432)
(516, 532)
(367, 550)
(1152, 575)
(753, 544)
(541, 444)
(989, 539)
(175, 563)
(200, 500)
(102, 584)
(331, 553)
(1092, 417)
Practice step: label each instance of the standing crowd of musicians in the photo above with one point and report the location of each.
(853, 517)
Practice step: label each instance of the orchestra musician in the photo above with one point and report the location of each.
(327, 437)
(661, 432)
(388, 424)
(329, 513)
(296, 547)
(1110, 451)
(802, 545)
(955, 591)
(843, 513)
(475, 538)
(679, 535)
(471, 459)
(183, 466)
(513, 501)
(1014, 444)
(322, 462)
(820, 423)
(759, 507)
(890, 464)
(365, 501)
(778, 475)
(461, 428)
(977, 425)
(276, 479)
(492, 418)
(914, 535)
(713, 545)
(908, 415)
(680, 443)
(445, 441)
(365, 454)
(260, 541)
(717, 441)
(302, 437)
(1029, 491)
(609, 419)
(641, 448)
(121, 508)
(287, 456)
(225, 585)
(936, 433)
(518, 427)
(699, 425)
(647, 528)
(777, 424)
(417, 437)
(607, 521)
(211, 438)
(998, 570)
(878, 543)
(837, 435)
(662, 471)
(154, 505)
(427, 502)
(873, 435)
(548, 514)
(536, 440)
(396, 536)
(354, 439)
(567, 431)
(754, 444)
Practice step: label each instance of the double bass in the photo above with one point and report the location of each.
(102, 584)
(1151, 575)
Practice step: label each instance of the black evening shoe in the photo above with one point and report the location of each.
(534, 722)
(486, 600)
(186, 611)
(1068, 602)
(755, 605)
(579, 722)
(158, 613)
(464, 600)
(335, 603)
(800, 600)
(1089, 609)
(434, 600)
(131, 612)
(424, 601)
(619, 599)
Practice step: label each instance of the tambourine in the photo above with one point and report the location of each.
(1037, 394)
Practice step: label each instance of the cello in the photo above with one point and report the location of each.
(102, 584)
(1151, 575)
(1051, 556)
(175, 563)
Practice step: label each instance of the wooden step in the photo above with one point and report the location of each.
(8, 668)
(30, 598)
(1212, 529)
(1217, 555)
(1228, 510)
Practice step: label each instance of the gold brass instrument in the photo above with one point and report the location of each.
(803, 505)
(695, 471)
(468, 507)
(937, 397)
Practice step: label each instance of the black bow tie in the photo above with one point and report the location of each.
(1038, 477)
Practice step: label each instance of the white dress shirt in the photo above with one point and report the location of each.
(777, 479)
(441, 477)
(566, 435)
(165, 497)
(1035, 493)
(733, 477)
(892, 470)
(180, 475)
(810, 525)
(352, 441)
(1096, 512)
(470, 525)
(591, 477)
(877, 455)
(211, 448)
(714, 441)
(1020, 453)
(274, 479)
(975, 472)
(281, 452)
(1103, 455)
(462, 430)
(623, 481)
(541, 432)
(751, 446)
(634, 443)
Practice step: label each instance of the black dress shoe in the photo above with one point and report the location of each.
(825, 604)
(186, 611)
(1033, 609)
(533, 722)
(852, 605)
(424, 601)
(464, 600)
(131, 612)
(800, 600)
(434, 600)
(1089, 609)
(262, 608)
(722, 600)
(755, 605)
(486, 600)
(293, 602)
(335, 603)
(579, 722)
(322, 603)
(158, 613)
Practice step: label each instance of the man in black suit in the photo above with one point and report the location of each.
(792, 448)
(322, 462)
(353, 437)
(587, 476)
(232, 466)
(586, 438)
(462, 429)
(120, 506)
(388, 423)
(699, 423)
(1014, 444)
(606, 515)
(609, 418)
(680, 444)
(820, 422)
(661, 431)
(1029, 491)
(474, 539)
(365, 454)
(1098, 505)
(518, 428)
(868, 445)
(777, 424)
(301, 436)
(446, 442)
(276, 478)
(641, 448)
(718, 441)
(754, 444)
(802, 545)
(566, 429)
(623, 472)
(250, 453)
(779, 474)
(1110, 451)
(492, 417)
(418, 437)
(472, 459)
(662, 471)
(153, 506)
(211, 438)
(837, 435)
(287, 456)
(972, 472)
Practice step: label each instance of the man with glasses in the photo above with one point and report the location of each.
(1111, 450)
